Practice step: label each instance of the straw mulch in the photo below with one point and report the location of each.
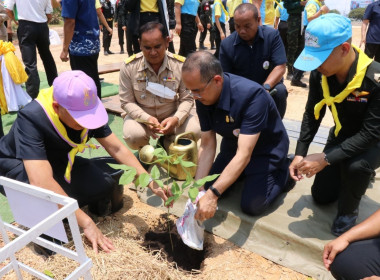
(130, 260)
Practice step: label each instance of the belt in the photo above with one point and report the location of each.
(109, 19)
(149, 13)
(283, 21)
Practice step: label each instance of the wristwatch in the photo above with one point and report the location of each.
(215, 191)
(267, 87)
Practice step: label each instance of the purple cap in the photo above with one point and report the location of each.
(77, 93)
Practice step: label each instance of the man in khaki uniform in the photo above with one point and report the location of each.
(151, 90)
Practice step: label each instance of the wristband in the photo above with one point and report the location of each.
(215, 191)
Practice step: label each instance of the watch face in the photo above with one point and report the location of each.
(267, 87)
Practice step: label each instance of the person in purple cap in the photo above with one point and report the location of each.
(346, 80)
(41, 147)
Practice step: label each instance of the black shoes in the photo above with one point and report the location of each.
(298, 83)
(343, 223)
(108, 52)
(213, 47)
(202, 47)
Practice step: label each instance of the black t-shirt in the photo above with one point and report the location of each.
(33, 137)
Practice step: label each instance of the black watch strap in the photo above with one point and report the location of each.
(215, 191)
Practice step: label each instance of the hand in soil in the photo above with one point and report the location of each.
(96, 237)
(206, 205)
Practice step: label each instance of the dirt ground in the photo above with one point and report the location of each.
(127, 227)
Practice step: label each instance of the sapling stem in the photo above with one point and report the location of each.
(170, 232)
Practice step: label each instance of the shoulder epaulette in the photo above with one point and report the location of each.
(179, 57)
(129, 59)
(373, 72)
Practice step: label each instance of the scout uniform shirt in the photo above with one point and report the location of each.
(359, 115)
(137, 102)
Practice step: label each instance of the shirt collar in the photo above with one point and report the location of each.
(259, 35)
(145, 65)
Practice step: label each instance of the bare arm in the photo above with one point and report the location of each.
(68, 32)
(178, 25)
(40, 174)
(367, 229)
(276, 22)
(103, 20)
(11, 15)
(323, 10)
(207, 204)
(206, 154)
(217, 23)
(276, 75)
(364, 32)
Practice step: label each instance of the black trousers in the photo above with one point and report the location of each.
(107, 37)
(231, 24)
(31, 35)
(88, 184)
(128, 39)
(260, 189)
(218, 40)
(89, 65)
(188, 34)
(347, 180)
(360, 259)
(373, 51)
(130, 49)
(283, 29)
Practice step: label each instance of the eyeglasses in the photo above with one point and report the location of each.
(197, 92)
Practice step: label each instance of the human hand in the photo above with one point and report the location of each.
(208, 25)
(362, 42)
(324, 9)
(164, 192)
(200, 27)
(116, 24)
(332, 249)
(169, 124)
(109, 29)
(101, 27)
(293, 170)
(171, 35)
(206, 206)
(154, 127)
(124, 28)
(178, 28)
(64, 55)
(222, 36)
(96, 238)
(303, 2)
(312, 164)
(371, 278)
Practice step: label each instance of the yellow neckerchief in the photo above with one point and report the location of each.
(221, 4)
(45, 98)
(355, 83)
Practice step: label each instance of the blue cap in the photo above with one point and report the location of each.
(322, 35)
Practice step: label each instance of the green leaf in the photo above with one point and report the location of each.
(159, 152)
(202, 181)
(120, 166)
(193, 193)
(187, 164)
(128, 177)
(144, 179)
(188, 181)
(49, 273)
(160, 183)
(170, 199)
(155, 173)
(175, 188)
